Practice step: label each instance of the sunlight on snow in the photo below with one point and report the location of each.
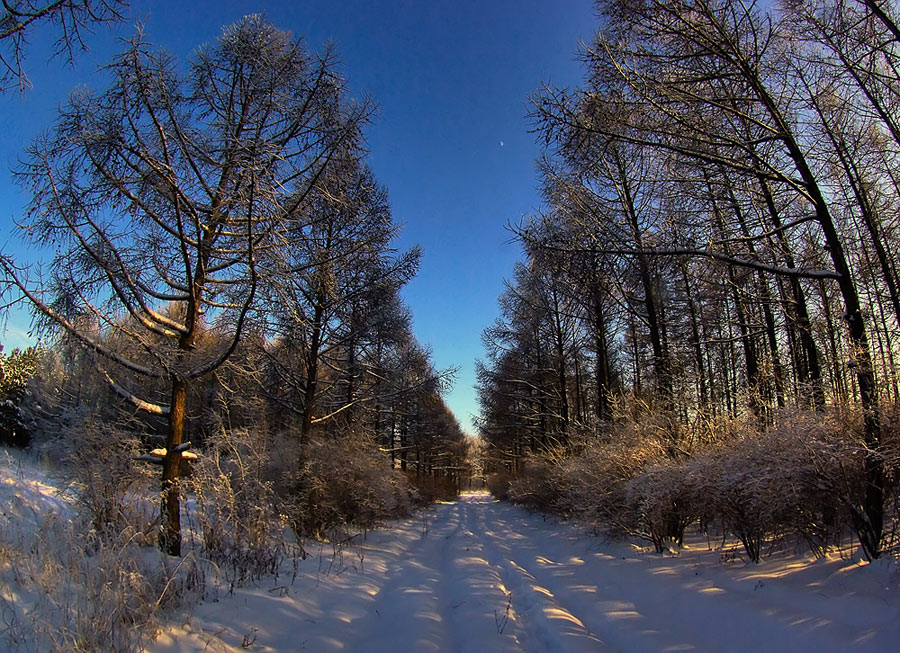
(559, 613)
(624, 614)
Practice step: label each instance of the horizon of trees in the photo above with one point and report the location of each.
(224, 259)
(720, 233)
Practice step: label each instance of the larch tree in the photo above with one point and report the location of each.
(67, 19)
(338, 268)
(164, 198)
(772, 137)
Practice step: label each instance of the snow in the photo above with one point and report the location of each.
(161, 453)
(480, 575)
(27, 492)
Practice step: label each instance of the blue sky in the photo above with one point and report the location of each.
(452, 79)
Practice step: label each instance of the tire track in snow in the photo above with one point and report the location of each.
(410, 595)
(542, 622)
(472, 592)
(616, 606)
(588, 622)
(437, 593)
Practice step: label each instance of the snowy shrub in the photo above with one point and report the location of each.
(737, 484)
(63, 589)
(659, 503)
(596, 479)
(540, 485)
(235, 509)
(498, 484)
(803, 476)
(827, 477)
(342, 482)
(104, 478)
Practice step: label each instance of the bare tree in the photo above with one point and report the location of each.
(338, 266)
(69, 20)
(165, 197)
(712, 85)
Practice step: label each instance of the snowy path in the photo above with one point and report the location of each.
(487, 576)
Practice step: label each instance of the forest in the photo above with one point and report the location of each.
(704, 326)
(222, 307)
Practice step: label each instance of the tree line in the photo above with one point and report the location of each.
(719, 238)
(222, 258)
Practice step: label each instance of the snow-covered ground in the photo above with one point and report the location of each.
(482, 575)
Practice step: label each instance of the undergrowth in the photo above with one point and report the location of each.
(83, 572)
(800, 481)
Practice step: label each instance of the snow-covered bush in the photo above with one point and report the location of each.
(106, 479)
(235, 506)
(600, 478)
(540, 485)
(597, 477)
(64, 588)
(344, 481)
(738, 484)
(659, 503)
(803, 476)
(96, 460)
(498, 484)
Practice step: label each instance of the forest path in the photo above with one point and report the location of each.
(480, 575)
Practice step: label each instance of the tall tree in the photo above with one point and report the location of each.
(715, 87)
(163, 195)
(337, 265)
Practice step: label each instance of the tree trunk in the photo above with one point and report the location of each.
(765, 301)
(806, 357)
(312, 375)
(560, 346)
(703, 399)
(601, 362)
(170, 533)
(870, 524)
